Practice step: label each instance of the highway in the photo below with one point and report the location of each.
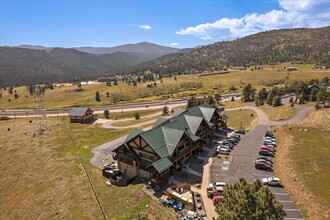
(16, 113)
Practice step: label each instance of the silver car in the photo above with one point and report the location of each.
(271, 181)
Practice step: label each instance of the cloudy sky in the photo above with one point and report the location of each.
(176, 23)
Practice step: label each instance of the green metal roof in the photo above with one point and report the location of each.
(163, 140)
(78, 111)
(159, 121)
(204, 110)
(133, 133)
(178, 112)
(162, 164)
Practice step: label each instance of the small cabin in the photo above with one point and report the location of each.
(82, 115)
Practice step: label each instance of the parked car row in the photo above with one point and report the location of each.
(266, 152)
(228, 145)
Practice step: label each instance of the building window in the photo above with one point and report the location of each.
(146, 156)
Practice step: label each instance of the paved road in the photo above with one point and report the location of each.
(99, 109)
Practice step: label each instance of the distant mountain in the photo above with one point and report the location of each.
(20, 66)
(152, 50)
(34, 63)
(298, 45)
(34, 47)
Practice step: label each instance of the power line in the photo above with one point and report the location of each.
(86, 172)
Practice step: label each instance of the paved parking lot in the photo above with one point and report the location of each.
(242, 165)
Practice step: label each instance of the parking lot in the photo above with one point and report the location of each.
(242, 165)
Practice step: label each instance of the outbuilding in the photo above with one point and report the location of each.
(82, 115)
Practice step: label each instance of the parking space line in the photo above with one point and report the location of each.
(257, 174)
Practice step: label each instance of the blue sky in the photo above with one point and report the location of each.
(178, 23)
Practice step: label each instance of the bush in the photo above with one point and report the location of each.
(106, 113)
(136, 115)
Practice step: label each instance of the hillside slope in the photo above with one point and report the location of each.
(303, 45)
(146, 48)
(20, 66)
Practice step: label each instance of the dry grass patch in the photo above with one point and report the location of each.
(39, 180)
(279, 112)
(65, 96)
(235, 104)
(245, 117)
(303, 163)
(41, 176)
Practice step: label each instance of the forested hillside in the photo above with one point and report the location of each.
(298, 45)
(21, 66)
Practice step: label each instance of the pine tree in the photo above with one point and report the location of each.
(270, 98)
(106, 113)
(97, 96)
(250, 202)
(165, 110)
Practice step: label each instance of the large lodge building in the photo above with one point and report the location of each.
(156, 153)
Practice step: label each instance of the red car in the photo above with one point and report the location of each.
(263, 166)
(263, 147)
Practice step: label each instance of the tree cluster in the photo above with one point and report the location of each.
(243, 201)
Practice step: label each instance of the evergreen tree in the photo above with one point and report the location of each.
(243, 201)
(248, 93)
(106, 113)
(115, 82)
(97, 96)
(107, 94)
(270, 98)
(210, 100)
(165, 110)
(217, 97)
(136, 115)
(276, 101)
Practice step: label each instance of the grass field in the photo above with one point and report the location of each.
(241, 117)
(65, 96)
(303, 163)
(41, 176)
(134, 122)
(279, 112)
(235, 104)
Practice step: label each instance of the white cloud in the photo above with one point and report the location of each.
(145, 27)
(174, 44)
(293, 13)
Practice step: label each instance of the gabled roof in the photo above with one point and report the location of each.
(133, 133)
(162, 164)
(159, 121)
(78, 111)
(178, 112)
(203, 110)
(162, 140)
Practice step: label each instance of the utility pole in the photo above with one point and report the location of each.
(41, 123)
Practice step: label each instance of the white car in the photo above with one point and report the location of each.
(217, 184)
(271, 181)
(269, 138)
(223, 151)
